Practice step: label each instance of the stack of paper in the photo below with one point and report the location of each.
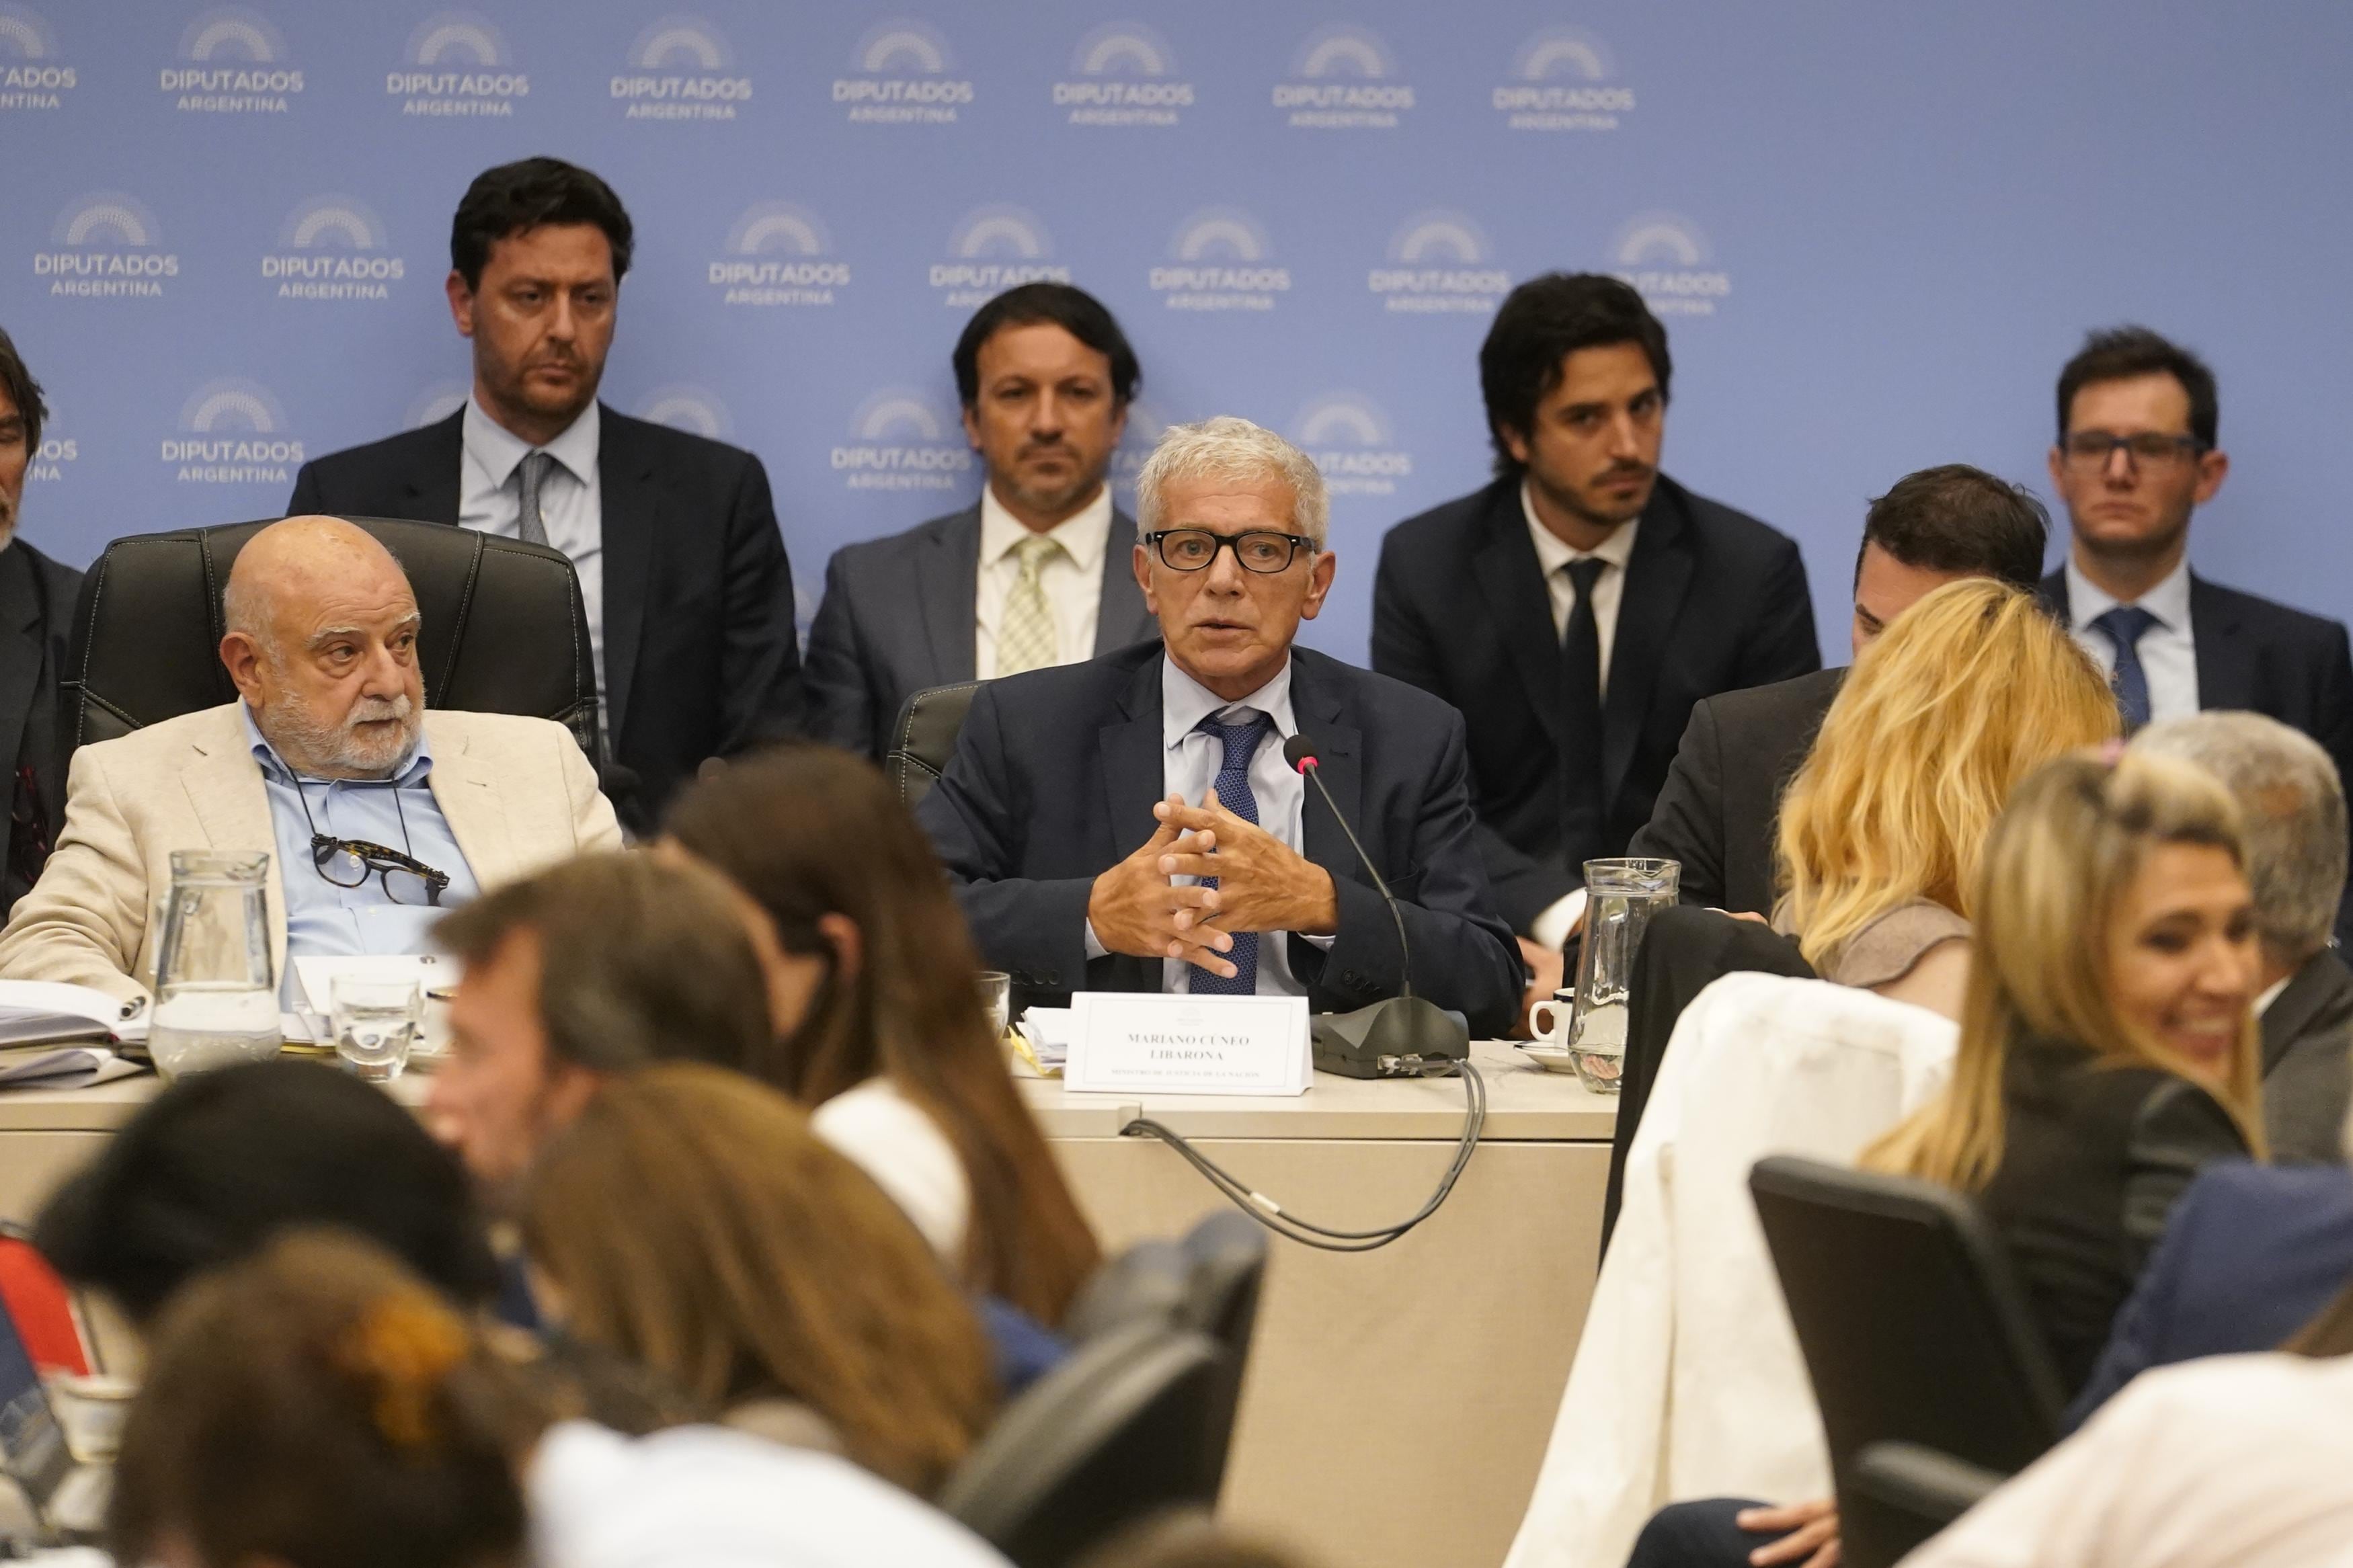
(1043, 1038)
(65, 1066)
(45, 1011)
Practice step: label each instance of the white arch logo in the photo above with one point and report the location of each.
(1342, 419)
(436, 403)
(1344, 51)
(1124, 49)
(688, 408)
(1562, 51)
(903, 48)
(109, 214)
(778, 227)
(234, 34)
(24, 34)
(334, 218)
(1001, 231)
(679, 41)
(1439, 236)
(898, 412)
(459, 39)
(232, 405)
(1221, 234)
(1660, 238)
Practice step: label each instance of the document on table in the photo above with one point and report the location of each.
(47, 1012)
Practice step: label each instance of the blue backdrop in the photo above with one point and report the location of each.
(1874, 232)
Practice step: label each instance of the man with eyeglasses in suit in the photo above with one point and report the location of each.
(2137, 453)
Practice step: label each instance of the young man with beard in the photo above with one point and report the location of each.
(329, 738)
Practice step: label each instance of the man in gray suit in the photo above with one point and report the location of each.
(1038, 573)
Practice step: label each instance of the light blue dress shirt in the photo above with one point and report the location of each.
(399, 813)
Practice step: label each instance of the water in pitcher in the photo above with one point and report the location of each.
(203, 1025)
(1621, 896)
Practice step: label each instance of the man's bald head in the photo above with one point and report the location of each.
(322, 643)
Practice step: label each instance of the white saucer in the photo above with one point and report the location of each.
(1552, 1058)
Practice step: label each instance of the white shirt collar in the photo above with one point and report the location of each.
(2169, 600)
(499, 449)
(2272, 992)
(1553, 554)
(1084, 535)
(1185, 702)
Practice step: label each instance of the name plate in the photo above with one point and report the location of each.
(1141, 1042)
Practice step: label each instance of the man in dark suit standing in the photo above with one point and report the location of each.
(36, 608)
(1719, 811)
(1036, 573)
(682, 569)
(1576, 607)
(1129, 823)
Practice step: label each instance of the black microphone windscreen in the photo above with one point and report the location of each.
(1299, 750)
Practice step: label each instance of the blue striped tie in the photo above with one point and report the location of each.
(1240, 742)
(2123, 626)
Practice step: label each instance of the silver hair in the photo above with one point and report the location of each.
(2294, 806)
(1235, 452)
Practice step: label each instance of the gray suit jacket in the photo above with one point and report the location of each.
(897, 619)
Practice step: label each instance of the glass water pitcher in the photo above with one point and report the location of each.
(1620, 898)
(216, 998)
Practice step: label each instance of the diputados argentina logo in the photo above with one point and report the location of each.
(904, 74)
(233, 432)
(1347, 436)
(778, 254)
(1438, 263)
(457, 66)
(1563, 78)
(693, 409)
(680, 68)
(1344, 79)
(1668, 262)
(901, 440)
(1220, 259)
(332, 247)
(993, 249)
(1126, 75)
(31, 74)
(106, 246)
(232, 61)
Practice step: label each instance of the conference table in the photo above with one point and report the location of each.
(1398, 1402)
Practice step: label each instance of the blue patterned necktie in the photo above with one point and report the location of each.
(1240, 742)
(2123, 626)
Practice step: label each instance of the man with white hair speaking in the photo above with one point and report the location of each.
(377, 815)
(1130, 822)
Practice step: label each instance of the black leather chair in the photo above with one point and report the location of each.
(1914, 1328)
(505, 627)
(924, 738)
(1127, 1426)
(1899, 1494)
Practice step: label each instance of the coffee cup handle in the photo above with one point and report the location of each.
(1544, 1031)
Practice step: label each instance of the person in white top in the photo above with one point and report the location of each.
(316, 1403)
(876, 1005)
(1034, 575)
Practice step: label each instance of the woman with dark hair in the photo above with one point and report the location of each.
(882, 1031)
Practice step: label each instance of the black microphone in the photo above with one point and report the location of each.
(1395, 1038)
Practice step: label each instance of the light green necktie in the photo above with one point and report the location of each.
(1025, 634)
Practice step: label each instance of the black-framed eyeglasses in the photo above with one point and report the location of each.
(2147, 448)
(1259, 550)
(350, 862)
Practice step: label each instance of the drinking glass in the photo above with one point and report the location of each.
(376, 1024)
(1621, 896)
(996, 1000)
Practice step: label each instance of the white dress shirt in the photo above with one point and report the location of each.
(1608, 589)
(571, 507)
(1072, 581)
(2169, 652)
(2230, 1462)
(1189, 766)
(1551, 928)
(895, 1142)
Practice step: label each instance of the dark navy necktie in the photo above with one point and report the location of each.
(2123, 626)
(1580, 693)
(1240, 742)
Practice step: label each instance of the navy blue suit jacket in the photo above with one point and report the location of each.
(2252, 1255)
(1054, 779)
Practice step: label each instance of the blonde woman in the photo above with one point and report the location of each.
(2107, 1054)
(1968, 692)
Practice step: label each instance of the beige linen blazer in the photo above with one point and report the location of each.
(517, 792)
